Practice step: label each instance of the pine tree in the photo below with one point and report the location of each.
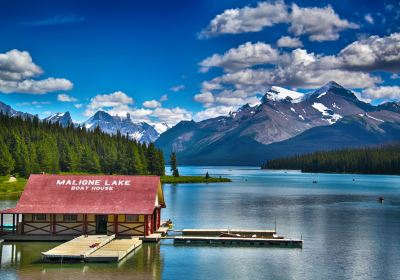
(6, 160)
(207, 175)
(174, 165)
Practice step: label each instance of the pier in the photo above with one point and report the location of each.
(114, 251)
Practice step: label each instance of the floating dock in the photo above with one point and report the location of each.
(78, 248)
(238, 232)
(114, 251)
(238, 241)
(234, 237)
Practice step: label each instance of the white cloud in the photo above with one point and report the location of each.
(205, 98)
(373, 53)
(178, 88)
(35, 86)
(245, 55)
(394, 76)
(78, 105)
(213, 112)
(382, 92)
(321, 24)
(66, 98)
(152, 104)
(163, 98)
(247, 19)
(114, 102)
(17, 70)
(120, 104)
(171, 116)
(289, 42)
(16, 65)
(368, 18)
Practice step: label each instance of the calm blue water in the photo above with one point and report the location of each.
(347, 233)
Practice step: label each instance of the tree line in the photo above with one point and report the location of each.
(32, 146)
(383, 159)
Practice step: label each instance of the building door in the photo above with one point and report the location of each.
(101, 224)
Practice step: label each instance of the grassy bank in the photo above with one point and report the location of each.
(192, 179)
(14, 189)
(11, 189)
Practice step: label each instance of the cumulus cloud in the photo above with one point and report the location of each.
(114, 102)
(205, 97)
(66, 98)
(320, 24)
(78, 105)
(245, 55)
(352, 67)
(178, 88)
(34, 86)
(213, 112)
(171, 116)
(289, 42)
(382, 92)
(373, 53)
(247, 19)
(152, 104)
(120, 104)
(17, 70)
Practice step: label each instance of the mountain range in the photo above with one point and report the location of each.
(140, 131)
(284, 123)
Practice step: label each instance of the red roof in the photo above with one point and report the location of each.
(89, 194)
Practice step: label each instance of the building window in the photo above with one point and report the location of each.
(39, 217)
(70, 218)
(132, 218)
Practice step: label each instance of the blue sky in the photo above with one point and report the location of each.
(166, 61)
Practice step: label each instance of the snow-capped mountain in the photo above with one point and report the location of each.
(141, 131)
(280, 117)
(64, 119)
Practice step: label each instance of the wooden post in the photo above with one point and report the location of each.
(22, 224)
(115, 224)
(145, 226)
(13, 223)
(53, 223)
(2, 222)
(84, 224)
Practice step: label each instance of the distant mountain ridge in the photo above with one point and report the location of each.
(283, 123)
(140, 131)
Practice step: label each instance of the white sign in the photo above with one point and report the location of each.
(92, 185)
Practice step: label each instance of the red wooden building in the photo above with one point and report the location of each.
(88, 204)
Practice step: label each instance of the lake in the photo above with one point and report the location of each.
(347, 233)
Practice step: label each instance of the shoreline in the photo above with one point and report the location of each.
(328, 172)
(13, 190)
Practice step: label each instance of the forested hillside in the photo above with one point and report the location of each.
(31, 146)
(374, 160)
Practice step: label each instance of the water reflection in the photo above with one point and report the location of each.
(348, 234)
(22, 260)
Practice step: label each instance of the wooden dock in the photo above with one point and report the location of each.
(238, 241)
(259, 233)
(78, 248)
(114, 251)
(154, 237)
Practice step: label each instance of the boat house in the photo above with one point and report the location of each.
(87, 204)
